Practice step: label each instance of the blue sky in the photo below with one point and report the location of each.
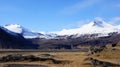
(55, 15)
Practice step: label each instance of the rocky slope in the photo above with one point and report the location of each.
(11, 40)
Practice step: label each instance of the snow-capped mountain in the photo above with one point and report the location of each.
(94, 27)
(16, 28)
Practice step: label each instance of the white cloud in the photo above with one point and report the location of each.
(79, 6)
(115, 20)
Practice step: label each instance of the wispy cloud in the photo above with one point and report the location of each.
(82, 22)
(79, 6)
(115, 20)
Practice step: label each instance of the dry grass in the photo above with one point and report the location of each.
(76, 59)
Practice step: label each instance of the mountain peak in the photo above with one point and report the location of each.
(97, 23)
(13, 25)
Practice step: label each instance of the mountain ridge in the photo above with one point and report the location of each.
(94, 27)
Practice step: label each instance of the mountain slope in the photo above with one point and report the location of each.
(25, 32)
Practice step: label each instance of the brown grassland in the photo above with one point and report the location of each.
(111, 54)
(76, 59)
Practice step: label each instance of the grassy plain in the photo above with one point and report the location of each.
(75, 59)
